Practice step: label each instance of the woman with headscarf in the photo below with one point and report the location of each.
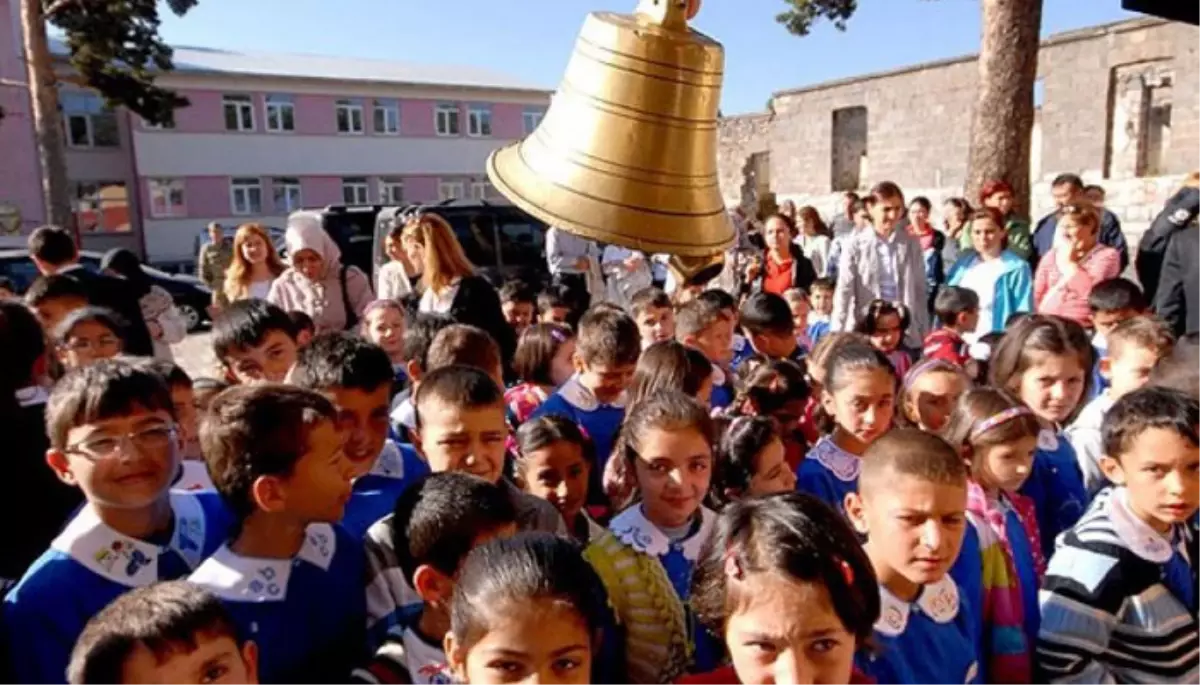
(334, 295)
(167, 326)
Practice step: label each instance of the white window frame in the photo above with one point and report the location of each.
(446, 120)
(87, 106)
(391, 191)
(479, 121)
(243, 105)
(243, 189)
(293, 195)
(480, 190)
(391, 117)
(277, 104)
(359, 189)
(450, 190)
(354, 111)
(531, 119)
(161, 189)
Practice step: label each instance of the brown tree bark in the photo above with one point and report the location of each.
(47, 119)
(1003, 121)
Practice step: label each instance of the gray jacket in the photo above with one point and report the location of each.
(858, 283)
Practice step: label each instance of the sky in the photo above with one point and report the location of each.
(533, 39)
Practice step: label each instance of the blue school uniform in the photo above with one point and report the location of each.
(722, 389)
(1023, 560)
(374, 494)
(818, 329)
(829, 473)
(741, 351)
(1056, 487)
(924, 641)
(601, 421)
(88, 566)
(306, 614)
(967, 572)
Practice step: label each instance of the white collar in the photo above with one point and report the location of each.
(581, 398)
(1141, 539)
(32, 396)
(129, 561)
(632, 528)
(251, 579)
(389, 463)
(718, 376)
(1047, 440)
(843, 465)
(938, 601)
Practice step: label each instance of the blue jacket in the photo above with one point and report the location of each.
(1014, 288)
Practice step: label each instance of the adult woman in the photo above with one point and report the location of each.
(451, 285)
(317, 283)
(784, 265)
(932, 244)
(1000, 278)
(955, 211)
(255, 264)
(164, 321)
(814, 239)
(1076, 263)
(999, 196)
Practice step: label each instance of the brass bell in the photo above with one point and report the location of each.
(627, 152)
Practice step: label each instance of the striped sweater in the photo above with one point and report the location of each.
(1108, 611)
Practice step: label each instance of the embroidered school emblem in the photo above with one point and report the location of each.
(265, 582)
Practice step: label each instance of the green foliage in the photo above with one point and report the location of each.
(115, 46)
(800, 14)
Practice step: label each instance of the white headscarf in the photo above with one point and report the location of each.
(304, 232)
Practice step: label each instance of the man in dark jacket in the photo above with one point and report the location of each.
(1179, 212)
(53, 251)
(1178, 297)
(1068, 189)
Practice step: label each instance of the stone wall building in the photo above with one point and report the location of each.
(1118, 104)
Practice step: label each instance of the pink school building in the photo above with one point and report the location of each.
(264, 135)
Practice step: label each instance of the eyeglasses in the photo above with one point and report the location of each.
(153, 439)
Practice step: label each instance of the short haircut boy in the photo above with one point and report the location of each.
(171, 373)
(246, 324)
(516, 290)
(1145, 332)
(720, 299)
(55, 287)
(418, 338)
(608, 338)
(697, 316)
(555, 296)
(257, 430)
(649, 298)
(953, 301)
(302, 323)
(166, 618)
(466, 345)
(911, 452)
(1146, 409)
(53, 245)
(1116, 294)
(464, 387)
(104, 390)
(766, 313)
(341, 360)
(823, 284)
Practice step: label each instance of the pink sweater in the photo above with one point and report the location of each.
(1069, 299)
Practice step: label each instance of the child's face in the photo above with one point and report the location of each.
(267, 362)
(887, 334)
(914, 527)
(88, 342)
(1105, 322)
(557, 473)
(931, 398)
(562, 366)
(319, 486)
(557, 315)
(126, 462)
(863, 406)
(1005, 467)
(52, 312)
(457, 439)
(715, 342)
(606, 382)
(656, 324)
(800, 316)
(969, 320)
(385, 327)
(673, 469)
(1128, 369)
(788, 632)
(187, 417)
(542, 641)
(774, 344)
(771, 471)
(213, 659)
(822, 300)
(1161, 472)
(1053, 385)
(363, 421)
(518, 314)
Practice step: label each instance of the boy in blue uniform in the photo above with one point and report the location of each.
(1111, 302)
(767, 321)
(112, 434)
(171, 632)
(911, 504)
(702, 324)
(254, 341)
(356, 377)
(291, 577)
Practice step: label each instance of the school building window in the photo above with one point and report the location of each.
(281, 114)
(89, 123)
(531, 118)
(166, 197)
(391, 191)
(286, 192)
(355, 191)
(387, 117)
(450, 190)
(349, 116)
(239, 112)
(479, 121)
(446, 119)
(102, 207)
(481, 190)
(245, 196)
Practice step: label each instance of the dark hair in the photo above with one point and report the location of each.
(1038, 333)
(536, 349)
(516, 290)
(463, 387)
(718, 298)
(302, 322)
(106, 389)
(518, 571)
(911, 452)
(669, 365)
(171, 373)
(796, 536)
(953, 300)
(737, 453)
(126, 265)
(24, 343)
(418, 337)
(668, 410)
(1067, 179)
(809, 214)
(165, 618)
(53, 245)
(694, 317)
(1178, 369)
(1147, 408)
(882, 191)
(554, 296)
(768, 385)
(437, 519)
(1093, 188)
(608, 338)
(1115, 294)
(787, 221)
(251, 431)
(765, 312)
(823, 283)
(245, 324)
(204, 389)
(922, 202)
(992, 187)
(852, 357)
(881, 308)
(105, 317)
(341, 360)
(648, 298)
(543, 431)
(47, 288)
(462, 344)
(980, 404)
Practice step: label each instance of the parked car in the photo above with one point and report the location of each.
(192, 297)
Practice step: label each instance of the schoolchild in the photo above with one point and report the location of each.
(766, 320)
(53, 297)
(857, 402)
(646, 558)
(172, 632)
(911, 506)
(822, 308)
(112, 434)
(928, 394)
(671, 365)
(545, 359)
(518, 301)
(304, 327)
(1044, 362)
(193, 472)
(654, 314)
(750, 461)
(555, 305)
(886, 324)
(957, 312)
(777, 390)
(418, 339)
(467, 346)
(384, 323)
(88, 335)
(254, 341)
(553, 460)
(704, 325)
(356, 376)
(1135, 547)
(437, 521)
(290, 576)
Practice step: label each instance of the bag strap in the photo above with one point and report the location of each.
(351, 316)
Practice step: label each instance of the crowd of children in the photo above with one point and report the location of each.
(708, 488)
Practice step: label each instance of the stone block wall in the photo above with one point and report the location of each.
(739, 138)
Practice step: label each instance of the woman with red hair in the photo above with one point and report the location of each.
(998, 195)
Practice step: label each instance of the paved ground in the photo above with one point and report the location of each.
(195, 355)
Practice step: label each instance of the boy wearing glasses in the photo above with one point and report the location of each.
(112, 434)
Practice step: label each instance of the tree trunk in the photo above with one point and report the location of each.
(1003, 120)
(47, 120)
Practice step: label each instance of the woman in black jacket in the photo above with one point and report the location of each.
(783, 265)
